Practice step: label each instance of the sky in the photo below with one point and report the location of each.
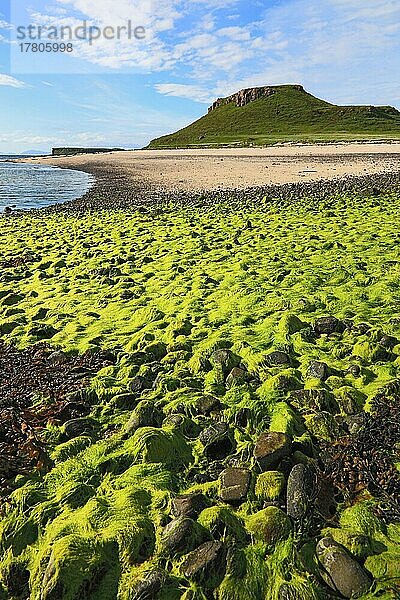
(123, 93)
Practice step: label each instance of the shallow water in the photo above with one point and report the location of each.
(25, 186)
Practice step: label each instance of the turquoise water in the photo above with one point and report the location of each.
(25, 186)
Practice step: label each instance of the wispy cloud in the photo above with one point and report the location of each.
(9, 81)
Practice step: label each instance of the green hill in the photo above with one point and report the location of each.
(258, 116)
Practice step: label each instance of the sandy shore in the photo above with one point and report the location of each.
(237, 168)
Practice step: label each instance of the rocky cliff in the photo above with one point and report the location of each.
(248, 95)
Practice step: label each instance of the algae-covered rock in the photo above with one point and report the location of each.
(322, 426)
(269, 485)
(79, 427)
(301, 490)
(161, 446)
(224, 359)
(270, 525)
(222, 522)
(233, 485)
(270, 448)
(341, 571)
(145, 414)
(206, 564)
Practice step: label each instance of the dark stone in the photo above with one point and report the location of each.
(318, 370)
(177, 535)
(136, 385)
(340, 570)
(355, 422)
(43, 331)
(270, 448)
(125, 401)
(205, 564)
(148, 587)
(77, 427)
(277, 359)
(216, 440)
(189, 505)
(236, 377)
(207, 404)
(234, 484)
(354, 370)
(224, 359)
(300, 491)
(388, 342)
(328, 325)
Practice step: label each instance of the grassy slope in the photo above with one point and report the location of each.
(289, 114)
(84, 530)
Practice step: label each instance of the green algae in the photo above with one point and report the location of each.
(92, 526)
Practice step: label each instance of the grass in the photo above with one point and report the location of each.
(288, 115)
(169, 289)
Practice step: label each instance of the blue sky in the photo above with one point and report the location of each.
(125, 93)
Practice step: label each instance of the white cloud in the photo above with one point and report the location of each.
(179, 90)
(9, 81)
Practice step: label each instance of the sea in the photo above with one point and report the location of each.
(27, 186)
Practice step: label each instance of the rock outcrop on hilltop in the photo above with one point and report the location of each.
(244, 97)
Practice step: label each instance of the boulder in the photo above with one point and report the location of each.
(181, 535)
(148, 587)
(205, 564)
(300, 491)
(216, 440)
(270, 448)
(318, 370)
(236, 377)
(328, 325)
(340, 570)
(234, 484)
(277, 359)
(188, 505)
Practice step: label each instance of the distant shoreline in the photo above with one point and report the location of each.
(198, 171)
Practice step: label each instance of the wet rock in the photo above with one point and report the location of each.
(148, 587)
(234, 484)
(205, 564)
(56, 357)
(300, 491)
(188, 505)
(270, 448)
(181, 535)
(318, 370)
(216, 440)
(207, 404)
(236, 377)
(78, 427)
(277, 359)
(328, 325)
(12, 299)
(341, 571)
(269, 525)
(269, 485)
